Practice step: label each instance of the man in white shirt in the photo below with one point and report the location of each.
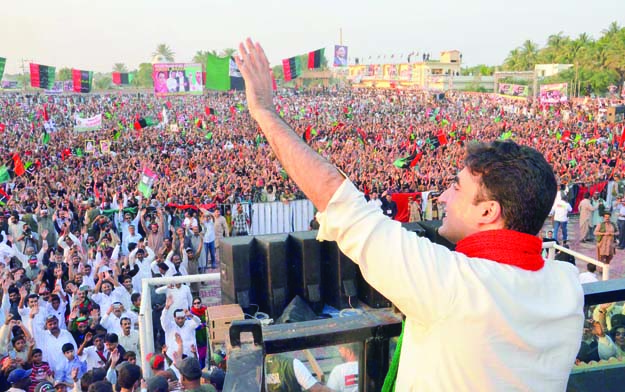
(52, 341)
(344, 377)
(112, 319)
(95, 355)
(105, 294)
(492, 285)
(182, 323)
(560, 211)
(589, 276)
(128, 337)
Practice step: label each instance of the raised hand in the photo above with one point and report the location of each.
(255, 69)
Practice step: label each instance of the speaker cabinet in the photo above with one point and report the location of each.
(304, 263)
(270, 274)
(431, 233)
(235, 254)
(339, 276)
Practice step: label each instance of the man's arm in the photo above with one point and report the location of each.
(313, 174)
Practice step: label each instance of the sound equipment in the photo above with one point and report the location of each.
(304, 263)
(431, 233)
(414, 227)
(270, 272)
(235, 254)
(339, 276)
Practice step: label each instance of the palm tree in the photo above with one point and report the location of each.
(612, 29)
(512, 61)
(529, 55)
(119, 67)
(164, 51)
(228, 52)
(201, 55)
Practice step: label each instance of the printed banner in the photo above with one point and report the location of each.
(177, 79)
(105, 146)
(10, 84)
(553, 93)
(88, 124)
(340, 56)
(513, 90)
(90, 146)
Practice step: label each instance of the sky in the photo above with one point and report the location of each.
(93, 35)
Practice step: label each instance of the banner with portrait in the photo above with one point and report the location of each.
(177, 79)
(340, 56)
(553, 93)
(513, 90)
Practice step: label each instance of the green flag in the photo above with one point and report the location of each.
(45, 137)
(2, 63)
(468, 130)
(4, 174)
(209, 136)
(222, 74)
(506, 135)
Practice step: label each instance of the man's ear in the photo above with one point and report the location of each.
(491, 212)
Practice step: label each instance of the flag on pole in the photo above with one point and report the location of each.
(4, 174)
(145, 183)
(292, 68)
(4, 198)
(222, 74)
(18, 165)
(314, 59)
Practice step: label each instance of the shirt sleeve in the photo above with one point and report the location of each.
(421, 278)
(303, 376)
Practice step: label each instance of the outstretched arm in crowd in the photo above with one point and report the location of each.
(314, 175)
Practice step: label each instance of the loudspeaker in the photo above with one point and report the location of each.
(304, 263)
(339, 276)
(235, 254)
(369, 295)
(270, 272)
(431, 233)
(414, 227)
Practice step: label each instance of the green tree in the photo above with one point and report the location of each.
(228, 52)
(64, 74)
(164, 51)
(480, 69)
(143, 77)
(119, 67)
(103, 81)
(201, 56)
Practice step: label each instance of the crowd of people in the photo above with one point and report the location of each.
(78, 236)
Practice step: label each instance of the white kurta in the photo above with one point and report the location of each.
(471, 324)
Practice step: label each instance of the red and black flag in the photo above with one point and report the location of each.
(82, 80)
(42, 76)
(314, 59)
(144, 122)
(4, 197)
(309, 133)
(292, 68)
(122, 78)
(409, 161)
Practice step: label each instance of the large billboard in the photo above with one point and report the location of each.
(513, 90)
(177, 79)
(553, 93)
(340, 56)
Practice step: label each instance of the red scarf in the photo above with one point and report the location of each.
(199, 312)
(504, 246)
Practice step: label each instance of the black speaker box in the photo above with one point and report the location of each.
(304, 263)
(414, 227)
(339, 276)
(431, 233)
(270, 274)
(369, 295)
(235, 254)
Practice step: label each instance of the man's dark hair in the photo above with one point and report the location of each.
(134, 297)
(518, 178)
(591, 267)
(128, 375)
(100, 386)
